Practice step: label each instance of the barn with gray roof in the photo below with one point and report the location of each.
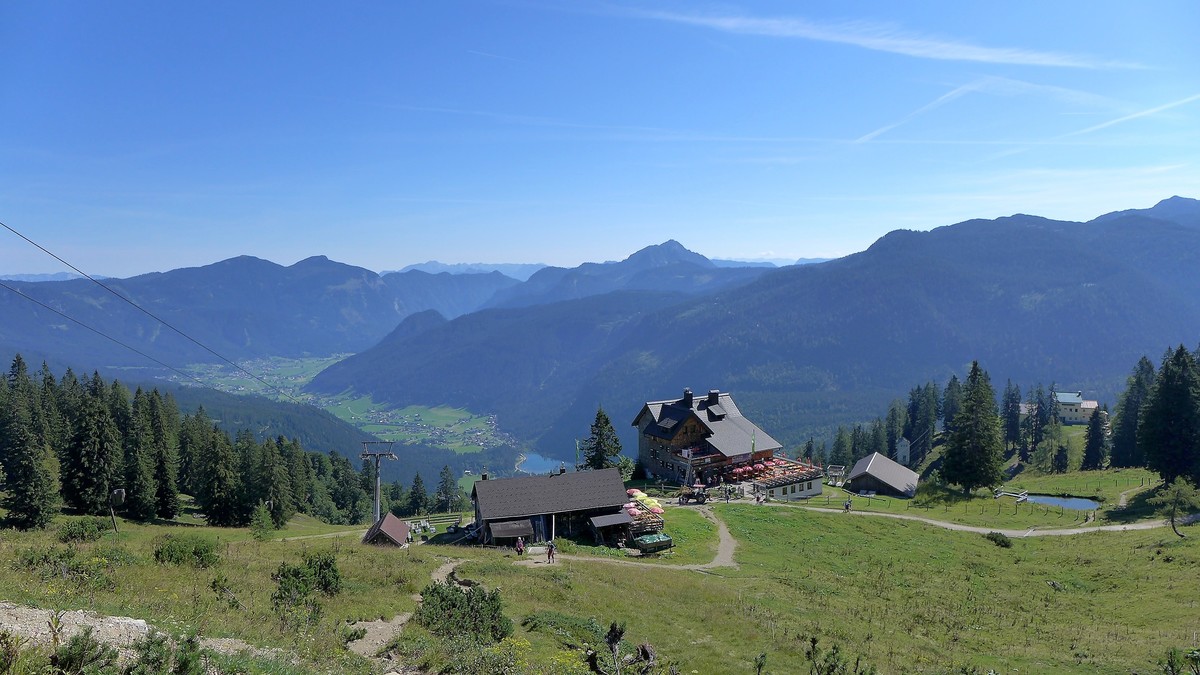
(876, 473)
(539, 508)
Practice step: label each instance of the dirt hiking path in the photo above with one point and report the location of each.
(379, 633)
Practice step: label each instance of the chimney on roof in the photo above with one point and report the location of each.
(483, 476)
(713, 395)
(687, 397)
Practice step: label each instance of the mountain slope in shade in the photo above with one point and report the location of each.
(667, 267)
(808, 346)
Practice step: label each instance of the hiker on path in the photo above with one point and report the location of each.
(520, 545)
(550, 552)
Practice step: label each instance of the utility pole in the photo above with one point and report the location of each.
(377, 453)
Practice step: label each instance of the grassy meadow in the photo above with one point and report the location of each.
(906, 596)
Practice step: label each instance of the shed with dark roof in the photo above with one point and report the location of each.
(543, 507)
(387, 530)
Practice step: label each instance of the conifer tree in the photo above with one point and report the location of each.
(602, 447)
(1127, 414)
(165, 432)
(951, 403)
(218, 488)
(1169, 430)
(897, 419)
(276, 482)
(1011, 414)
(974, 452)
(417, 499)
(139, 463)
(94, 459)
(841, 454)
(32, 495)
(1095, 449)
(449, 494)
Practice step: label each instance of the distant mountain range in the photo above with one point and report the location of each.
(241, 308)
(518, 271)
(805, 347)
(802, 347)
(56, 276)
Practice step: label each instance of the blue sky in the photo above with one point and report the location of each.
(143, 136)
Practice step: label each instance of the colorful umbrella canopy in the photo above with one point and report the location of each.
(655, 509)
(633, 491)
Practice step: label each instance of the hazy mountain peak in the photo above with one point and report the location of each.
(666, 253)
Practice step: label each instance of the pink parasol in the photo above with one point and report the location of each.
(632, 491)
(759, 467)
(656, 509)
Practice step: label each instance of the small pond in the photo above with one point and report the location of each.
(1077, 503)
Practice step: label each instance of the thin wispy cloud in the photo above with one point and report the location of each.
(884, 38)
(999, 86)
(1136, 115)
(932, 105)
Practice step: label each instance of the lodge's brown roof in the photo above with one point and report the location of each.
(503, 498)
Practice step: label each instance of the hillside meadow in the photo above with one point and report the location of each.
(905, 596)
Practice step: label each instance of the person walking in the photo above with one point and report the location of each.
(520, 545)
(550, 551)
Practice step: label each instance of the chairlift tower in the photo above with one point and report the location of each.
(377, 453)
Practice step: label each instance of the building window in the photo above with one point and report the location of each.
(809, 485)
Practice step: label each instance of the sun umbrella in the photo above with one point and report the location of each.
(656, 510)
(633, 491)
(759, 467)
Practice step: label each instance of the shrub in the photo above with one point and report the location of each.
(999, 538)
(448, 612)
(324, 570)
(18, 655)
(83, 653)
(155, 655)
(572, 631)
(185, 550)
(293, 599)
(83, 529)
(65, 563)
(261, 525)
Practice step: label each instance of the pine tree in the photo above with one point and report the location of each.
(1169, 430)
(1127, 413)
(602, 447)
(140, 488)
(974, 453)
(1095, 449)
(276, 484)
(1011, 413)
(841, 453)
(417, 499)
(32, 495)
(897, 419)
(218, 485)
(165, 431)
(95, 456)
(877, 438)
(449, 494)
(951, 403)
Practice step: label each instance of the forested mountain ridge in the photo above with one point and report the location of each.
(243, 307)
(810, 346)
